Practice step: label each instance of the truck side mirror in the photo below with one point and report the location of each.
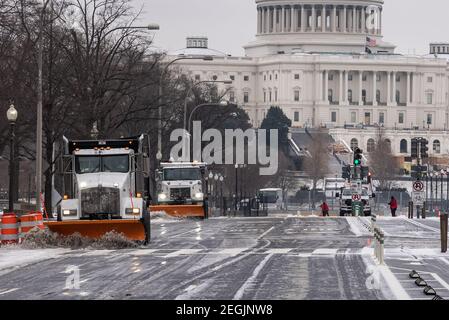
(374, 195)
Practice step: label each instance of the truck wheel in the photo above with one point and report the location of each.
(342, 214)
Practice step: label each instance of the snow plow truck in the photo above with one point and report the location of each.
(180, 190)
(105, 187)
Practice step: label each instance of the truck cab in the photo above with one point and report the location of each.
(180, 183)
(105, 180)
(345, 200)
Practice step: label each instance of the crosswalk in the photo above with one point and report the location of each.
(294, 252)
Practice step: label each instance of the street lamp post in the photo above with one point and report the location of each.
(221, 196)
(12, 115)
(236, 184)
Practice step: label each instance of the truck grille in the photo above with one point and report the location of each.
(180, 193)
(100, 201)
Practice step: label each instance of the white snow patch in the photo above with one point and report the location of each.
(325, 252)
(11, 258)
(8, 291)
(250, 280)
(279, 251)
(183, 252)
(230, 252)
(356, 227)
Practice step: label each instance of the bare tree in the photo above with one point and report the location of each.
(316, 165)
(382, 162)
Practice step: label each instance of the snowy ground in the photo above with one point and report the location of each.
(283, 256)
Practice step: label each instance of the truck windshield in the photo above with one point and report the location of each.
(182, 174)
(94, 164)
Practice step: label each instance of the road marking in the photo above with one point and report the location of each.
(393, 283)
(445, 260)
(230, 252)
(440, 280)
(417, 224)
(183, 252)
(319, 252)
(250, 280)
(143, 252)
(265, 233)
(279, 251)
(8, 291)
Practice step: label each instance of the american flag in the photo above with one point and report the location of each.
(371, 42)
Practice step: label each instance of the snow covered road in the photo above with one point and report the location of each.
(278, 257)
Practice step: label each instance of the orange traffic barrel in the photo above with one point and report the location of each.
(30, 221)
(10, 229)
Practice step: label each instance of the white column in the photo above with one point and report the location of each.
(313, 18)
(282, 19)
(394, 89)
(326, 86)
(380, 21)
(360, 87)
(345, 19)
(374, 88)
(363, 20)
(293, 20)
(388, 88)
(320, 86)
(275, 23)
(323, 19)
(408, 89)
(340, 94)
(334, 19)
(259, 20)
(346, 86)
(303, 19)
(354, 20)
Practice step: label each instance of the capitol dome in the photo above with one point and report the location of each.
(289, 26)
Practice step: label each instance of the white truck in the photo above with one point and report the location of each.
(105, 186)
(346, 198)
(180, 189)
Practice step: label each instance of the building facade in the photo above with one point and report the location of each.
(325, 63)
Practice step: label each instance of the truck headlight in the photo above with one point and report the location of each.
(71, 212)
(199, 195)
(162, 196)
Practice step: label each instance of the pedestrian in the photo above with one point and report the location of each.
(325, 209)
(393, 206)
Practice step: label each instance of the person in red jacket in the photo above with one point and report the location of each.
(393, 206)
(325, 209)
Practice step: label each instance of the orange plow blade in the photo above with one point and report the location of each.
(132, 229)
(188, 211)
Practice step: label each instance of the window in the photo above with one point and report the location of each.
(334, 116)
(245, 97)
(197, 77)
(378, 78)
(271, 96)
(354, 144)
(437, 147)
(401, 118)
(429, 79)
(429, 119)
(264, 96)
(94, 164)
(296, 116)
(364, 77)
(398, 96)
(231, 96)
(350, 77)
(371, 146)
(381, 118)
(350, 96)
(232, 78)
(388, 144)
(398, 78)
(404, 146)
(429, 98)
(296, 95)
(330, 77)
(276, 76)
(271, 77)
(364, 96)
(246, 78)
(275, 95)
(265, 78)
(214, 78)
(330, 95)
(296, 76)
(353, 117)
(378, 96)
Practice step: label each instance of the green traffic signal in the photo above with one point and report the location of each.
(357, 162)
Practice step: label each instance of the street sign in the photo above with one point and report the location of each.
(418, 186)
(356, 197)
(418, 198)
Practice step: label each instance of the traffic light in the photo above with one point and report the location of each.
(424, 148)
(358, 157)
(365, 172)
(414, 148)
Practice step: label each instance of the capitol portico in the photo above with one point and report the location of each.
(326, 64)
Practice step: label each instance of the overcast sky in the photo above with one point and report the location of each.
(230, 24)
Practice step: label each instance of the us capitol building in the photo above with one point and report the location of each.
(326, 64)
